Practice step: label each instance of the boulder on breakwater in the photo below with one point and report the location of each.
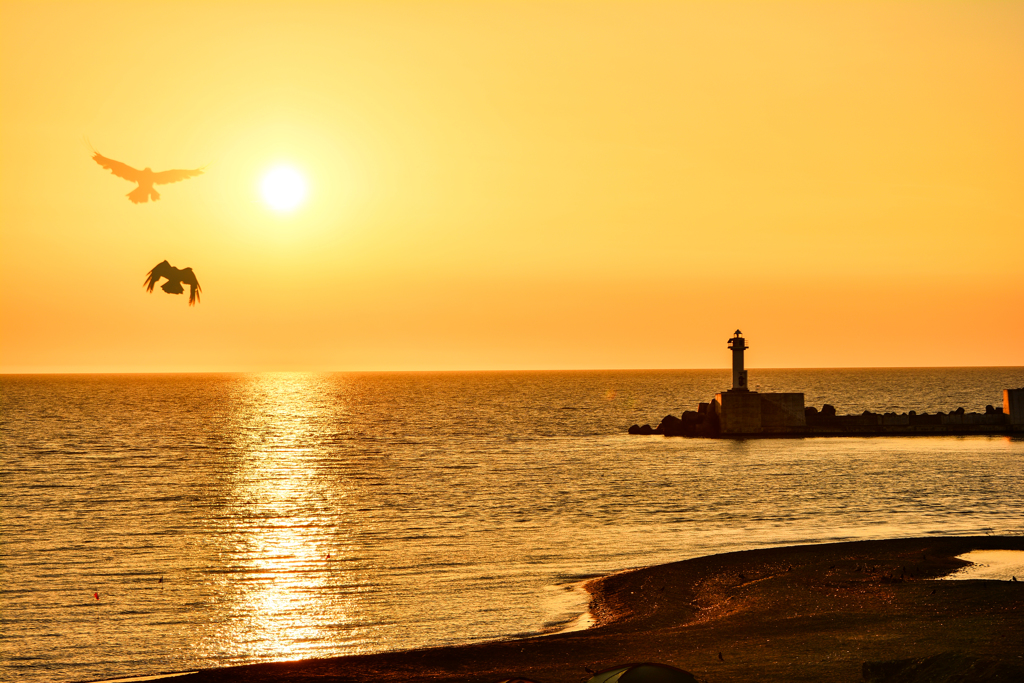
(829, 419)
(700, 422)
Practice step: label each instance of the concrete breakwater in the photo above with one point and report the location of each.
(740, 413)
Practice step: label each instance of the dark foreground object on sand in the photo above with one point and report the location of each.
(834, 612)
(948, 667)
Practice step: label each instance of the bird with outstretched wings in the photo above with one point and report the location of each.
(146, 178)
(175, 278)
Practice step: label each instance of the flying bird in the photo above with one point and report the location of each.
(146, 178)
(175, 278)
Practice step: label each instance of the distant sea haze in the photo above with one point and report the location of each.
(155, 523)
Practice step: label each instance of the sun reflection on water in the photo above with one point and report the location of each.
(289, 568)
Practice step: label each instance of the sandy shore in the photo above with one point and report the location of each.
(802, 613)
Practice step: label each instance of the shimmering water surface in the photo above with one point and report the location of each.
(225, 519)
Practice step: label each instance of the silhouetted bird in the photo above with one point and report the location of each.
(175, 277)
(146, 178)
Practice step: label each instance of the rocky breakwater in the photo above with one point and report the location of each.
(701, 422)
(826, 422)
(749, 414)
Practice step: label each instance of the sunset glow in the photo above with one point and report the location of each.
(397, 340)
(542, 185)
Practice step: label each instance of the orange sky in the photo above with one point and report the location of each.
(519, 185)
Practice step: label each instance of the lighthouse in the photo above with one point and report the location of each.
(739, 376)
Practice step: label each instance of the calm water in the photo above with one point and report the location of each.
(225, 519)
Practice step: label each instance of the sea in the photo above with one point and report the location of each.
(171, 522)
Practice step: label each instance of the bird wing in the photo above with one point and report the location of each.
(175, 175)
(189, 278)
(162, 269)
(119, 169)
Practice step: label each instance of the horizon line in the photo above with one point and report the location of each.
(491, 370)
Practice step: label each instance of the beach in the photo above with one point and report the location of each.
(800, 613)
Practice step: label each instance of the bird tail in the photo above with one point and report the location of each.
(140, 195)
(193, 295)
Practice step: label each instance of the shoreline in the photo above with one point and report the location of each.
(811, 612)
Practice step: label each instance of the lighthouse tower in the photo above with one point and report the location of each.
(739, 376)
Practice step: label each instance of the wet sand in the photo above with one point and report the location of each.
(802, 613)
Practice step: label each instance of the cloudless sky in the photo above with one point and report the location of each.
(514, 185)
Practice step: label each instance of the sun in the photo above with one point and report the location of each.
(283, 188)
